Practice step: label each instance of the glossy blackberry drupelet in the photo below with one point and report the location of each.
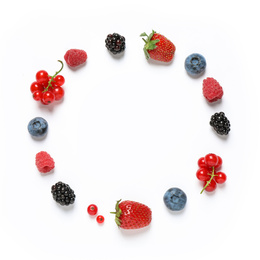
(195, 64)
(115, 43)
(38, 127)
(175, 199)
(63, 194)
(220, 123)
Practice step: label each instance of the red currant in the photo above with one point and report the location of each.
(42, 76)
(36, 86)
(58, 92)
(211, 186)
(37, 95)
(59, 80)
(211, 160)
(219, 163)
(42, 101)
(48, 97)
(92, 209)
(203, 174)
(100, 219)
(201, 163)
(220, 178)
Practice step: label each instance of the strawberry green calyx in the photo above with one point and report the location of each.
(118, 213)
(149, 43)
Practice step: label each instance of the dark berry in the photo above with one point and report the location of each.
(115, 43)
(175, 199)
(63, 194)
(195, 64)
(220, 123)
(38, 127)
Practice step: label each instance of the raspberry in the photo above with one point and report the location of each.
(212, 91)
(44, 162)
(75, 57)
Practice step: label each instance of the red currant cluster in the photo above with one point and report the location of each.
(208, 172)
(48, 88)
(92, 210)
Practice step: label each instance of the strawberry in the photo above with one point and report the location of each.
(158, 47)
(132, 215)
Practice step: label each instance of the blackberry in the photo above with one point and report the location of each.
(220, 123)
(63, 194)
(115, 43)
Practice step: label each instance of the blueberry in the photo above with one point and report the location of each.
(195, 64)
(175, 199)
(38, 127)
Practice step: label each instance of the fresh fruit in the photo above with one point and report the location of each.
(220, 123)
(115, 43)
(132, 215)
(63, 194)
(208, 172)
(212, 90)
(47, 89)
(220, 178)
(175, 199)
(75, 57)
(44, 162)
(100, 219)
(195, 64)
(38, 127)
(158, 47)
(92, 209)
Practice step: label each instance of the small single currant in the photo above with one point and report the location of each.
(46, 88)
(92, 209)
(100, 219)
(208, 172)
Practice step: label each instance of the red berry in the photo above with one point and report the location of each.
(42, 76)
(58, 92)
(59, 81)
(75, 57)
(212, 91)
(219, 163)
(220, 178)
(100, 219)
(203, 174)
(211, 187)
(48, 97)
(44, 162)
(37, 95)
(201, 163)
(36, 86)
(92, 209)
(211, 160)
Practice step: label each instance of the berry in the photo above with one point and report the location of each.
(219, 163)
(36, 86)
(175, 199)
(44, 162)
(220, 123)
(195, 64)
(203, 174)
(132, 215)
(48, 97)
(75, 57)
(38, 127)
(63, 194)
(158, 47)
(212, 91)
(37, 95)
(92, 209)
(100, 219)
(210, 185)
(115, 43)
(58, 93)
(211, 160)
(42, 76)
(220, 177)
(58, 81)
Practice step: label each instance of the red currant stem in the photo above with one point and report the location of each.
(50, 81)
(209, 181)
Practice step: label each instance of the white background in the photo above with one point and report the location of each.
(129, 129)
